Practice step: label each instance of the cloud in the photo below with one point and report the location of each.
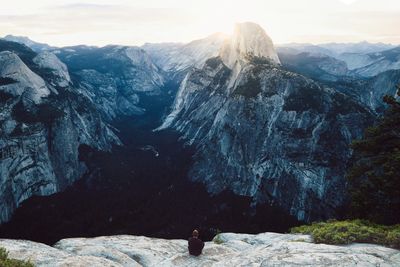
(93, 23)
(131, 22)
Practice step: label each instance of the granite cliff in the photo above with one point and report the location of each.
(44, 121)
(265, 132)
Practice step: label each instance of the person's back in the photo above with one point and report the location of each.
(195, 245)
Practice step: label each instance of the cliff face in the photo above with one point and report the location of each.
(268, 133)
(267, 249)
(44, 121)
(374, 89)
(248, 40)
(369, 92)
(113, 77)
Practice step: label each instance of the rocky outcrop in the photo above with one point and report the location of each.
(22, 81)
(248, 40)
(50, 62)
(267, 133)
(267, 249)
(372, 91)
(43, 122)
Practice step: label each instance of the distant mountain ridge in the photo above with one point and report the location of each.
(35, 46)
(339, 48)
(362, 59)
(271, 124)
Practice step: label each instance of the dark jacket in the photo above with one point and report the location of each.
(195, 246)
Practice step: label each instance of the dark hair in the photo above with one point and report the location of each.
(195, 233)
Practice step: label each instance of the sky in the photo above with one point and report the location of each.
(135, 22)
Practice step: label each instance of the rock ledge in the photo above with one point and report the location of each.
(267, 249)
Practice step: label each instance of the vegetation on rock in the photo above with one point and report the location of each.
(5, 261)
(352, 231)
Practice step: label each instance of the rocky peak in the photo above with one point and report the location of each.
(264, 132)
(48, 60)
(249, 40)
(25, 81)
(35, 46)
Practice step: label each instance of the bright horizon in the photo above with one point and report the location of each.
(135, 22)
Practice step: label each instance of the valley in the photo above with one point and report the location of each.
(219, 134)
(132, 191)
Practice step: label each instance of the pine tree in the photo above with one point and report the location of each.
(375, 175)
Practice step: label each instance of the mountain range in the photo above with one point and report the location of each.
(269, 124)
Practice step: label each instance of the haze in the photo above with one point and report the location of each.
(65, 22)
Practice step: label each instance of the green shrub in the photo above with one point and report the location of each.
(5, 261)
(218, 240)
(346, 232)
(393, 237)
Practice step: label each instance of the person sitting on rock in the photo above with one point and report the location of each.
(195, 244)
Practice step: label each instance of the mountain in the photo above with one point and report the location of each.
(375, 63)
(228, 249)
(335, 49)
(361, 47)
(265, 132)
(366, 77)
(267, 135)
(44, 123)
(176, 56)
(49, 61)
(370, 91)
(362, 59)
(298, 48)
(35, 46)
(113, 77)
(176, 59)
(314, 65)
